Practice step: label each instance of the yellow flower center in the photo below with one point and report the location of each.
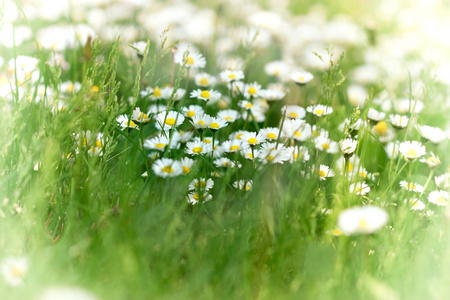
(318, 111)
(249, 155)
(205, 94)
(414, 203)
(94, 89)
(196, 196)
(325, 146)
(197, 149)
(189, 60)
(381, 128)
(69, 88)
(234, 147)
(359, 189)
(297, 133)
(411, 186)
(300, 78)
(293, 115)
(411, 153)
(249, 105)
(350, 167)
(201, 123)
(363, 224)
(204, 81)
(232, 76)
(160, 145)
(17, 271)
(322, 173)
(170, 121)
(316, 133)
(98, 144)
(190, 114)
(433, 160)
(186, 170)
(201, 184)
(271, 135)
(214, 125)
(270, 157)
(362, 174)
(156, 92)
(337, 232)
(248, 188)
(252, 91)
(167, 169)
(228, 118)
(131, 124)
(239, 136)
(252, 141)
(208, 141)
(441, 200)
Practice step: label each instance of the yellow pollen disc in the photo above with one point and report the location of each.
(252, 91)
(270, 158)
(322, 173)
(84, 142)
(214, 126)
(156, 92)
(201, 123)
(249, 105)
(295, 155)
(232, 76)
(239, 136)
(350, 167)
(170, 121)
(411, 186)
(318, 111)
(271, 135)
(414, 203)
(202, 184)
(411, 153)
(359, 189)
(293, 115)
(94, 89)
(160, 145)
(325, 146)
(297, 133)
(186, 170)
(234, 147)
(190, 114)
(196, 196)
(249, 155)
(204, 81)
(205, 94)
(248, 188)
(228, 118)
(132, 124)
(441, 200)
(252, 141)
(336, 232)
(301, 79)
(167, 169)
(362, 174)
(225, 164)
(363, 224)
(98, 144)
(208, 141)
(17, 272)
(189, 60)
(197, 149)
(316, 133)
(433, 160)
(69, 88)
(381, 128)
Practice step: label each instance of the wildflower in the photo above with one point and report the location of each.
(380, 128)
(247, 153)
(251, 90)
(359, 188)
(357, 95)
(232, 145)
(297, 129)
(201, 184)
(229, 115)
(412, 150)
(192, 60)
(362, 219)
(278, 69)
(69, 87)
(192, 110)
(433, 134)
(411, 186)
(168, 92)
(139, 116)
(125, 123)
(398, 121)
(319, 110)
(197, 148)
(14, 269)
(296, 153)
(318, 132)
(432, 161)
(67, 293)
(245, 185)
(246, 104)
(225, 162)
(205, 95)
(228, 76)
(194, 198)
(415, 204)
(438, 197)
(392, 149)
(252, 139)
(325, 144)
(168, 120)
(335, 232)
(348, 147)
(201, 122)
(442, 181)
(351, 126)
(325, 172)
(301, 77)
(217, 123)
(166, 167)
(204, 80)
(405, 105)
(157, 143)
(97, 147)
(186, 164)
(237, 134)
(154, 93)
(273, 153)
(272, 95)
(375, 115)
(293, 111)
(271, 133)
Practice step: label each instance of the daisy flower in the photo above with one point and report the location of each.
(412, 150)
(192, 60)
(362, 219)
(271, 133)
(204, 80)
(325, 144)
(398, 121)
(217, 123)
(14, 270)
(192, 110)
(432, 161)
(138, 116)
(205, 95)
(251, 90)
(348, 146)
(442, 181)
(232, 145)
(325, 172)
(252, 139)
(229, 115)
(154, 93)
(237, 135)
(433, 134)
(67, 293)
(272, 95)
(201, 184)
(297, 129)
(273, 153)
(415, 204)
(186, 164)
(405, 105)
(380, 128)
(392, 149)
(125, 123)
(278, 69)
(359, 188)
(155, 109)
(166, 167)
(318, 132)
(301, 77)
(168, 120)
(201, 122)
(438, 197)
(293, 111)
(319, 110)
(197, 148)
(411, 186)
(296, 153)
(375, 115)
(244, 185)
(247, 153)
(166, 93)
(228, 76)
(194, 198)
(157, 143)
(225, 162)
(97, 147)
(246, 104)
